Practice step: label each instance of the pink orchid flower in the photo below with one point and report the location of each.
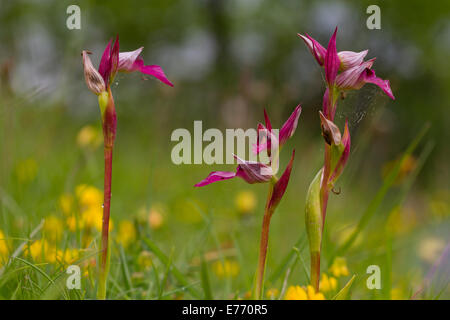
(355, 72)
(113, 61)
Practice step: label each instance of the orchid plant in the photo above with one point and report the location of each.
(345, 70)
(257, 172)
(99, 82)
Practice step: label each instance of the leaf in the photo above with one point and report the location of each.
(345, 293)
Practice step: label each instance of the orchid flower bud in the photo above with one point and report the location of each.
(93, 78)
(330, 131)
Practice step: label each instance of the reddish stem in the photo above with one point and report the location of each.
(264, 242)
(106, 207)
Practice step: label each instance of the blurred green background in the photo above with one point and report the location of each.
(229, 60)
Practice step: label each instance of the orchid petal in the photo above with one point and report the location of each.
(353, 78)
(288, 128)
(253, 172)
(350, 59)
(216, 176)
(317, 50)
(331, 62)
(105, 63)
(370, 77)
(127, 60)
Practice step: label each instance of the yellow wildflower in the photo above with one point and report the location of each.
(89, 196)
(272, 293)
(89, 137)
(339, 267)
(126, 233)
(145, 259)
(53, 228)
(41, 250)
(245, 201)
(228, 268)
(67, 256)
(300, 293)
(327, 283)
(26, 170)
(66, 203)
(4, 251)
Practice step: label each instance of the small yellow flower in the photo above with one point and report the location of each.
(155, 218)
(89, 196)
(53, 228)
(228, 268)
(4, 251)
(67, 256)
(89, 137)
(126, 233)
(327, 283)
(272, 293)
(41, 250)
(66, 203)
(145, 260)
(26, 170)
(339, 267)
(300, 293)
(245, 201)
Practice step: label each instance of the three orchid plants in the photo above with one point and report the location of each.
(345, 70)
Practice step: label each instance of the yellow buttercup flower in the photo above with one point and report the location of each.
(300, 293)
(41, 250)
(67, 256)
(327, 283)
(26, 170)
(53, 228)
(245, 201)
(145, 259)
(126, 233)
(397, 294)
(228, 268)
(89, 196)
(339, 267)
(89, 137)
(66, 203)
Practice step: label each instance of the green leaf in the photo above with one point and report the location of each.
(345, 293)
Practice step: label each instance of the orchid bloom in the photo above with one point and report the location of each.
(257, 172)
(99, 82)
(113, 61)
(355, 72)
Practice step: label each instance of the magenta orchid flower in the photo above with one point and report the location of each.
(355, 72)
(257, 172)
(99, 82)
